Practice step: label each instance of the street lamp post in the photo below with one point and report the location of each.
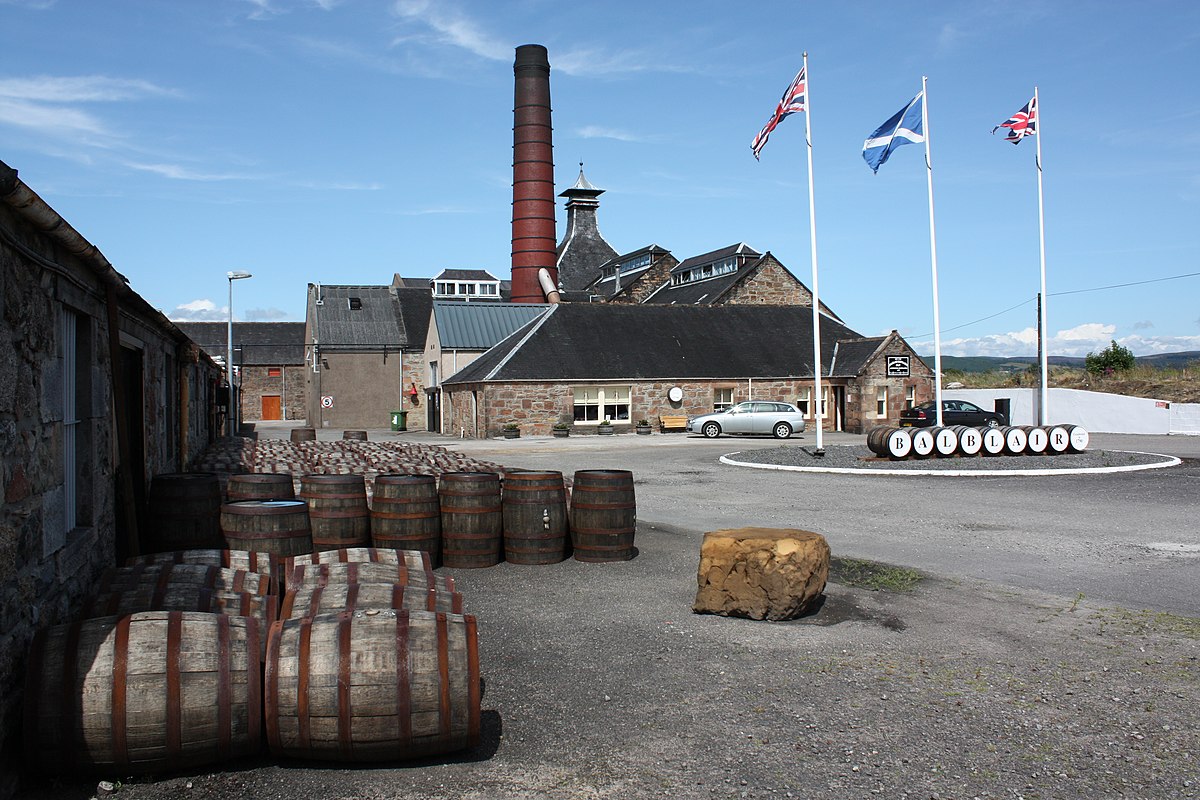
(229, 416)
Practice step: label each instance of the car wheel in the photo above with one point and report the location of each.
(782, 431)
(992, 422)
(711, 430)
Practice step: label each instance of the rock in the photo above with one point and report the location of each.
(760, 573)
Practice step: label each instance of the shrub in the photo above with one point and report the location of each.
(1111, 359)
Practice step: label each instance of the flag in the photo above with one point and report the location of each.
(1021, 124)
(793, 100)
(905, 127)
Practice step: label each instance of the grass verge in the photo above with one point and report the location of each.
(873, 575)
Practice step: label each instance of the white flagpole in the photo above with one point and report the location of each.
(812, 238)
(937, 327)
(1043, 403)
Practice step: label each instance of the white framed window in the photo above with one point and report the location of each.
(488, 288)
(881, 398)
(910, 397)
(594, 403)
(804, 402)
(824, 401)
(722, 399)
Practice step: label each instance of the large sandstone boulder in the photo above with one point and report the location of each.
(760, 573)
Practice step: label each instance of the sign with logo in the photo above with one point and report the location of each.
(898, 366)
(326, 401)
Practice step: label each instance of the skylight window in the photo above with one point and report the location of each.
(355, 303)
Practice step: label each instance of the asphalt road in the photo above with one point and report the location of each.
(1127, 538)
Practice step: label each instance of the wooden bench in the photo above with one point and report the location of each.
(672, 422)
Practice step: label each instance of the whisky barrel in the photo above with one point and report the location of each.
(405, 514)
(1058, 439)
(603, 515)
(922, 442)
(374, 685)
(260, 486)
(337, 510)
(154, 691)
(945, 441)
(1036, 439)
(360, 596)
(898, 443)
(992, 441)
(970, 440)
(877, 439)
(270, 526)
(1014, 440)
(355, 436)
(304, 434)
(116, 579)
(183, 512)
(312, 576)
(1078, 437)
(534, 509)
(262, 563)
(472, 519)
(413, 559)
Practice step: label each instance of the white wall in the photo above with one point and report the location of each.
(1097, 411)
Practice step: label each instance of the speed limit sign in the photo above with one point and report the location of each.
(326, 401)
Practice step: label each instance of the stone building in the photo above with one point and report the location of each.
(581, 363)
(364, 350)
(99, 392)
(583, 248)
(268, 358)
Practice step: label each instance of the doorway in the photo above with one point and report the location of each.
(839, 408)
(272, 406)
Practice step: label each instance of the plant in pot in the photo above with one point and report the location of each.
(561, 429)
(511, 430)
(643, 427)
(605, 428)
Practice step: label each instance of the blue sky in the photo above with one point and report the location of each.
(341, 141)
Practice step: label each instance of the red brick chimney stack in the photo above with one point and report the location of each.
(533, 236)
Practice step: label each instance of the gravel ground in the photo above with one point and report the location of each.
(601, 683)
(859, 457)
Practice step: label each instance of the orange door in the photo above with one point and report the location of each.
(271, 407)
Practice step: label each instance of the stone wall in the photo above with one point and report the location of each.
(648, 282)
(770, 285)
(288, 385)
(862, 395)
(47, 567)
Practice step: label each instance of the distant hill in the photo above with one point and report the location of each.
(1021, 363)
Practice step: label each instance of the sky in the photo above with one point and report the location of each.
(343, 141)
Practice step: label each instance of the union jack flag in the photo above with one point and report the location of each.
(794, 99)
(1021, 124)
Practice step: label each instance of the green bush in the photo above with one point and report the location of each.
(1111, 359)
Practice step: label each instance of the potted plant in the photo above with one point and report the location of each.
(643, 427)
(512, 430)
(561, 430)
(605, 428)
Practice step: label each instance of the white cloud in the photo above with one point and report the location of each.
(267, 315)
(1143, 325)
(50, 105)
(177, 172)
(199, 311)
(598, 132)
(78, 89)
(1090, 337)
(452, 28)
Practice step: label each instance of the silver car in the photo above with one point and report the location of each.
(759, 417)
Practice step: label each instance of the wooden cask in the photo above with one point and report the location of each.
(262, 563)
(535, 517)
(922, 442)
(355, 436)
(603, 515)
(333, 598)
(268, 526)
(406, 515)
(183, 511)
(414, 559)
(118, 579)
(337, 510)
(1015, 439)
(146, 692)
(260, 486)
(993, 441)
(304, 434)
(472, 519)
(898, 443)
(311, 576)
(970, 440)
(1036, 439)
(375, 685)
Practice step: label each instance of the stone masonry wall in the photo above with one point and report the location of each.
(770, 285)
(289, 385)
(648, 282)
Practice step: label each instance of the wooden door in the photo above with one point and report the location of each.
(271, 407)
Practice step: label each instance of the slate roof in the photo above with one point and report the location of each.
(597, 341)
(607, 286)
(479, 326)
(707, 290)
(465, 275)
(259, 343)
(385, 317)
(852, 355)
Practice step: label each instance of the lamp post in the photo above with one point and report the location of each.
(232, 276)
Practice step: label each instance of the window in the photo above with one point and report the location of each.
(881, 402)
(76, 445)
(722, 399)
(594, 403)
(274, 372)
(824, 401)
(355, 303)
(802, 402)
(910, 397)
(487, 288)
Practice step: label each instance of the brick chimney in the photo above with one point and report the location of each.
(533, 235)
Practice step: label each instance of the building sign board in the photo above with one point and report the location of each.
(898, 366)
(326, 401)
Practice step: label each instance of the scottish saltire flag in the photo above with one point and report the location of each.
(793, 100)
(904, 127)
(1021, 124)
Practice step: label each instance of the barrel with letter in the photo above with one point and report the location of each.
(472, 519)
(147, 692)
(945, 441)
(337, 510)
(406, 515)
(535, 517)
(1058, 439)
(603, 515)
(992, 441)
(1036, 439)
(922, 442)
(1078, 437)
(898, 443)
(970, 440)
(373, 685)
(1015, 439)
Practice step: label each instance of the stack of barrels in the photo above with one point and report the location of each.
(182, 655)
(962, 440)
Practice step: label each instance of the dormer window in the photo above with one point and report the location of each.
(355, 303)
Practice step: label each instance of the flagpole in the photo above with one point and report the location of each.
(812, 238)
(937, 327)
(1043, 402)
